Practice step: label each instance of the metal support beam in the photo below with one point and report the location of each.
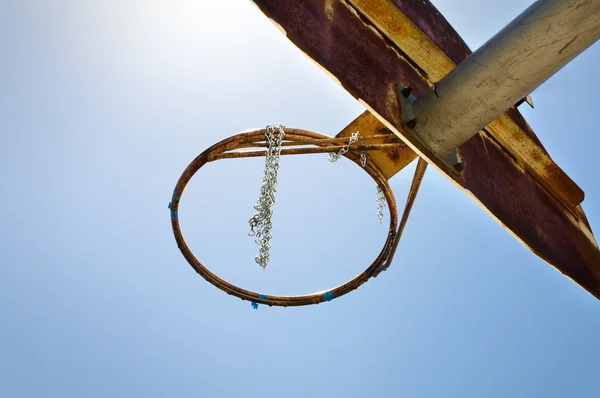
(513, 63)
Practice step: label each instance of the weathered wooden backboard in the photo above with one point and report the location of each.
(369, 46)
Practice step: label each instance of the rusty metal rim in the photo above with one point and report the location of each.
(240, 141)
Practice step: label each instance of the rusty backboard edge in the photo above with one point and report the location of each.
(510, 129)
(362, 61)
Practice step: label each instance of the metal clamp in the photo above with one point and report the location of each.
(410, 122)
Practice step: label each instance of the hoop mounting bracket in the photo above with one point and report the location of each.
(410, 122)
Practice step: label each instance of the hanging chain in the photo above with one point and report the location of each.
(363, 156)
(333, 157)
(260, 223)
(380, 204)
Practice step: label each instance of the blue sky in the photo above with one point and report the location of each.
(103, 104)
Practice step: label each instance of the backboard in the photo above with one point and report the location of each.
(371, 46)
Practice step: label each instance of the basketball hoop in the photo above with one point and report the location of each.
(294, 142)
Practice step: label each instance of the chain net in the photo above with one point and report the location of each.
(260, 223)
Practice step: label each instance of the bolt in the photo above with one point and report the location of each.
(406, 91)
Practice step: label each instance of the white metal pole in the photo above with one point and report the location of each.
(512, 64)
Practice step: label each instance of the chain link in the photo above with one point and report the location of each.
(363, 157)
(380, 204)
(333, 157)
(260, 223)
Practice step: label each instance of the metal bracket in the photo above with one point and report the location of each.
(527, 99)
(410, 123)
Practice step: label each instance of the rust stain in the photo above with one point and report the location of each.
(525, 207)
(516, 116)
(427, 18)
(535, 160)
(394, 155)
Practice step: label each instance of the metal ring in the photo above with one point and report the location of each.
(243, 140)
